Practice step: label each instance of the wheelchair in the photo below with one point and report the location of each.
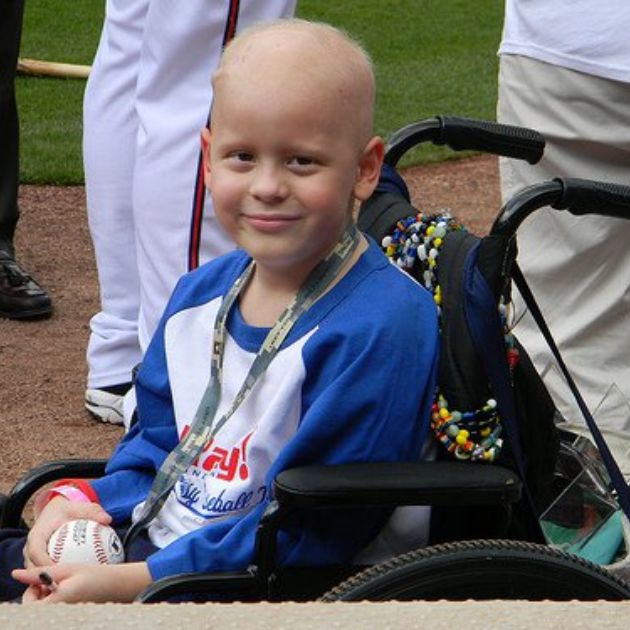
(474, 551)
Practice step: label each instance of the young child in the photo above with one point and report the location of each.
(290, 150)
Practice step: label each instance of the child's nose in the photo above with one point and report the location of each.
(268, 184)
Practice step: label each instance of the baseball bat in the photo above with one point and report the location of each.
(52, 69)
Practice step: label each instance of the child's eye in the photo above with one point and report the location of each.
(242, 156)
(301, 160)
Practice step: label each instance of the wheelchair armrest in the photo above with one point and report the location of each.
(390, 484)
(38, 477)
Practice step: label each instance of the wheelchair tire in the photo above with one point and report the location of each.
(482, 569)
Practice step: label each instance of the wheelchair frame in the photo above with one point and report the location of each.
(389, 485)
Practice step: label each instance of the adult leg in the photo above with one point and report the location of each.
(20, 296)
(577, 266)
(109, 148)
(10, 27)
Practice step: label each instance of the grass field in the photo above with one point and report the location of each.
(431, 57)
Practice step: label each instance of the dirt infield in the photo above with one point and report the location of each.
(42, 363)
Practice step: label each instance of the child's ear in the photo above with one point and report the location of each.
(206, 140)
(369, 168)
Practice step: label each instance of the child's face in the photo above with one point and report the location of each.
(284, 167)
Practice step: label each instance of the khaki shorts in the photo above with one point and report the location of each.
(577, 267)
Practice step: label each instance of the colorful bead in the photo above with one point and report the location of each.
(462, 437)
(461, 454)
(452, 430)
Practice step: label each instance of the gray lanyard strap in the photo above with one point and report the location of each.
(204, 427)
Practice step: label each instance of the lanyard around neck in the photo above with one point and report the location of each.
(204, 425)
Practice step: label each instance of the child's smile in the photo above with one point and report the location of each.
(270, 222)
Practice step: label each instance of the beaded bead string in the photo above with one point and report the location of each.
(473, 435)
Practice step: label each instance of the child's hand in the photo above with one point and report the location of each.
(57, 512)
(72, 583)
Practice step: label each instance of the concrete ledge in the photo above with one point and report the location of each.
(292, 616)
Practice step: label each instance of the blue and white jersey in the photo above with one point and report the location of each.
(352, 382)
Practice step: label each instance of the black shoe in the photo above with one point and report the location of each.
(20, 296)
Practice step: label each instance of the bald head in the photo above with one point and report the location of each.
(311, 60)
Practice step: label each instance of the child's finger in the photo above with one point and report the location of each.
(95, 512)
(42, 586)
(35, 551)
(34, 593)
(26, 576)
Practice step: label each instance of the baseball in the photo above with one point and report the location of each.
(87, 542)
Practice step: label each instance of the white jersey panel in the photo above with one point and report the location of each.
(228, 478)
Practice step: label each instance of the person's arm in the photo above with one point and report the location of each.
(129, 472)
(128, 475)
(75, 583)
(370, 401)
(110, 499)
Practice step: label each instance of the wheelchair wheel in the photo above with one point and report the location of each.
(482, 569)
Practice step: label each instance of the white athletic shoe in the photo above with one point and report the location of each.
(106, 403)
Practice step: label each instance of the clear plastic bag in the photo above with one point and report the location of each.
(585, 519)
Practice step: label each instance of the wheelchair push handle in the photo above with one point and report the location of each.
(467, 134)
(578, 196)
(586, 196)
(482, 135)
